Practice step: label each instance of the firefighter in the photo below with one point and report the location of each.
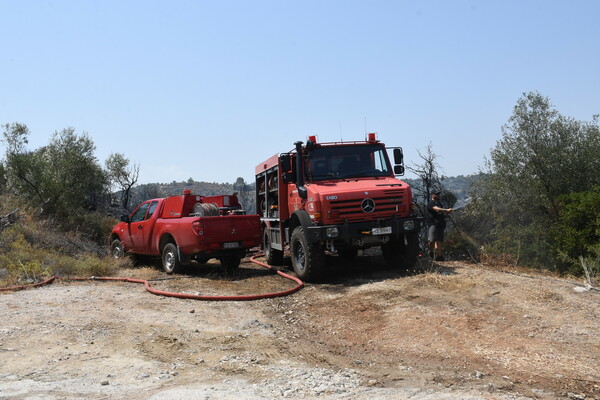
(436, 220)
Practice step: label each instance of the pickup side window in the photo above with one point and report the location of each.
(151, 209)
(139, 214)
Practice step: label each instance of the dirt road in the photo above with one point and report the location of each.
(460, 332)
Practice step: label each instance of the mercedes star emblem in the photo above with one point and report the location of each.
(368, 205)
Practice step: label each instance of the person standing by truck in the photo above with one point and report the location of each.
(436, 220)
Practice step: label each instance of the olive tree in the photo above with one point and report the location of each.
(542, 155)
(62, 177)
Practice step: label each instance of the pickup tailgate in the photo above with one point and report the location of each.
(231, 231)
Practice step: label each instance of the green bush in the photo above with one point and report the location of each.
(528, 200)
(577, 231)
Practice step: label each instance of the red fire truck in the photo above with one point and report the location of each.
(336, 197)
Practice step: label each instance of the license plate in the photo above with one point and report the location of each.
(231, 245)
(381, 231)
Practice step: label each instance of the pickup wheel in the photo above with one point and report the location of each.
(400, 255)
(170, 259)
(230, 261)
(308, 259)
(272, 256)
(116, 249)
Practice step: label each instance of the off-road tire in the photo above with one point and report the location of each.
(272, 256)
(308, 259)
(399, 255)
(170, 259)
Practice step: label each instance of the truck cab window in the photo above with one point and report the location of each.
(348, 162)
(380, 161)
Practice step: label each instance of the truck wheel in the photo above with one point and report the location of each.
(230, 261)
(272, 256)
(308, 259)
(116, 249)
(400, 255)
(170, 259)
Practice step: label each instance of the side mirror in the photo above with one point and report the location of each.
(302, 192)
(398, 157)
(286, 164)
(288, 177)
(398, 169)
(125, 218)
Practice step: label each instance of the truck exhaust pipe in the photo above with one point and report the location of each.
(302, 192)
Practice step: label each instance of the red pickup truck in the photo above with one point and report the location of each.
(183, 228)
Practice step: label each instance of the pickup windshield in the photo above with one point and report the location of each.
(349, 161)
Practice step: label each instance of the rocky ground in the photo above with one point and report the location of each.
(446, 331)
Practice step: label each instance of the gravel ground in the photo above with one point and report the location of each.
(459, 332)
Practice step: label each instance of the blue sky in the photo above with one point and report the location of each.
(209, 89)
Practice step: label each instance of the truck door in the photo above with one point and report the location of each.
(140, 227)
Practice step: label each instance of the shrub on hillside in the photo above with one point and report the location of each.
(32, 250)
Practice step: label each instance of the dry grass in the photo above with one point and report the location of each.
(542, 293)
(443, 280)
(32, 250)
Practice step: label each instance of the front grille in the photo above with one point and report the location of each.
(386, 205)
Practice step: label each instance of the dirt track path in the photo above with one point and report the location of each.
(461, 332)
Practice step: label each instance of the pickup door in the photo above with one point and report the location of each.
(140, 228)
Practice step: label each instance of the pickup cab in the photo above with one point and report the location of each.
(183, 228)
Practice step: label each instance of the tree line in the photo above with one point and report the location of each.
(64, 180)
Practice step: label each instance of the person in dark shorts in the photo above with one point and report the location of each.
(436, 221)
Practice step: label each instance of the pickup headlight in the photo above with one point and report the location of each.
(408, 225)
(331, 232)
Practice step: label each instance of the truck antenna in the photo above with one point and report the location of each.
(341, 136)
(365, 125)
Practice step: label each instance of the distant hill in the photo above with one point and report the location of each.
(459, 186)
(147, 191)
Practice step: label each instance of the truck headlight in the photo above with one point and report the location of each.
(408, 225)
(331, 232)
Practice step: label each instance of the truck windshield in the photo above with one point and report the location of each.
(348, 161)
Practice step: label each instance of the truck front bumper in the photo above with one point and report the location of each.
(366, 233)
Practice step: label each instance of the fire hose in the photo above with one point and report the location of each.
(157, 292)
